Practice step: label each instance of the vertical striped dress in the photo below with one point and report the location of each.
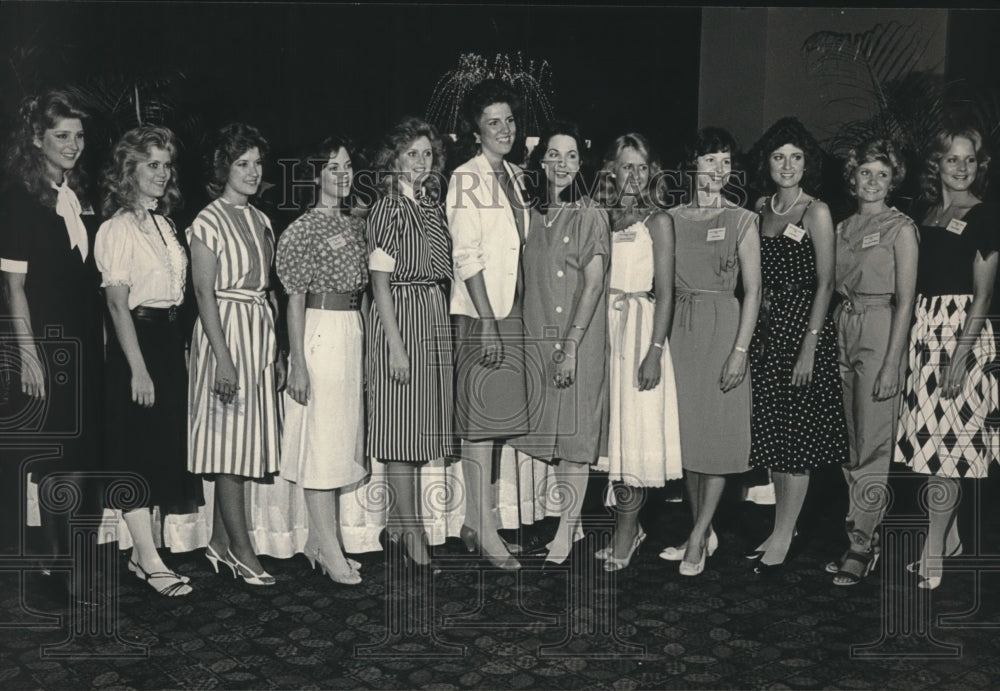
(241, 437)
(411, 422)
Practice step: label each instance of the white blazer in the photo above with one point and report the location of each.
(484, 235)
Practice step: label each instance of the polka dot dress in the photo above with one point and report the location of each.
(793, 429)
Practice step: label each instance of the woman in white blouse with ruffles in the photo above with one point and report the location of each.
(143, 269)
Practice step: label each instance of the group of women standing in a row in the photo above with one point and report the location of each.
(577, 325)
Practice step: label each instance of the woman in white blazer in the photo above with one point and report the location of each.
(488, 219)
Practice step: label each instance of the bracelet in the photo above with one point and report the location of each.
(814, 332)
(739, 349)
(654, 344)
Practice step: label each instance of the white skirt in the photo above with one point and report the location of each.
(323, 443)
(644, 441)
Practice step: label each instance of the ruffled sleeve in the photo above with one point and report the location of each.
(296, 264)
(383, 235)
(114, 252)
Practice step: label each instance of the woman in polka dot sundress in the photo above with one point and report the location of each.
(797, 422)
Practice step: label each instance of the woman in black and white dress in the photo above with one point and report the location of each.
(951, 388)
(409, 342)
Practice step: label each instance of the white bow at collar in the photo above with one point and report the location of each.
(68, 207)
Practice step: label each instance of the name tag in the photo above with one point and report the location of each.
(794, 232)
(956, 226)
(870, 240)
(337, 241)
(715, 234)
(624, 236)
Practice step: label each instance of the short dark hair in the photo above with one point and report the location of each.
(880, 150)
(477, 99)
(231, 142)
(538, 184)
(709, 140)
(314, 160)
(787, 131)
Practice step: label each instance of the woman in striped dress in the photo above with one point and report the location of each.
(409, 343)
(232, 396)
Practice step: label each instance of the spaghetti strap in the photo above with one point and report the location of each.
(804, 212)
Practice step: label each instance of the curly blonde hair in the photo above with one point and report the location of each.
(118, 185)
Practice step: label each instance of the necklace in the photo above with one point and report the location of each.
(548, 224)
(790, 206)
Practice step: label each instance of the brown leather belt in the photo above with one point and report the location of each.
(334, 301)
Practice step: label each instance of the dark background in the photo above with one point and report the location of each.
(300, 71)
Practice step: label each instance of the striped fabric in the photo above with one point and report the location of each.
(242, 437)
(411, 422)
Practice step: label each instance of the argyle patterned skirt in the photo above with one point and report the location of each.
(937, 436)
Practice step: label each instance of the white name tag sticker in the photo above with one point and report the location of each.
(794, 232)
(715, 234)
(956, 226)
(870, 240)
(624, 236)
(337, 242)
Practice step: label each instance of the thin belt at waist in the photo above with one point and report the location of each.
(684, 299)
(620, 301)
(416, 283)
(862, 302)
(243, 295)
(789, 288)
(334, 301)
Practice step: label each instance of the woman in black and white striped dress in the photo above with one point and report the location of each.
(234, 373)
(409, 344)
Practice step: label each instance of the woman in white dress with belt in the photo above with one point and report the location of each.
(644, 447)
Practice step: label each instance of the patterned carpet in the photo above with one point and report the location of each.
(467, 626)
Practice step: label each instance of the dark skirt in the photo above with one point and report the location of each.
(152, 442)
(490, 403)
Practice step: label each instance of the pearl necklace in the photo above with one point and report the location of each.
(790, 206)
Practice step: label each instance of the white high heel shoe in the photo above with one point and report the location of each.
(677, 553)
(612, 563)
(241, 570)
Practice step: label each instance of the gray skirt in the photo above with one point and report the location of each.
(490, 403)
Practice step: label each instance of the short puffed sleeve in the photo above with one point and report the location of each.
(594, 235)
(982, 228)
(204, 228)
(114, 251)
(15, 232)
(296, 262)
(383, 235)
